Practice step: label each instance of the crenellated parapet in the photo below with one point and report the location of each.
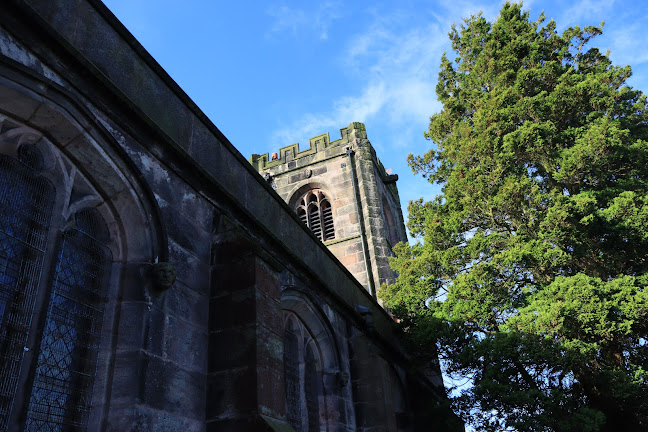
(318, 147)
(321, 148)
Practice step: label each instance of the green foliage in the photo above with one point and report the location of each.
(530, 279)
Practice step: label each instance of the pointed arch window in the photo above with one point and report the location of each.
(314, 210)
(301, 378)
(59, 310)
(26, 202)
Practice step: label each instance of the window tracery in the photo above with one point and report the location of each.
(314, 210)
(58, 389)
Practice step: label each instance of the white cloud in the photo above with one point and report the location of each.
(286, 19)
(456, 10)
(397, 73)
(627, 45)
(586, 10)
(296, 21)
(396, 63)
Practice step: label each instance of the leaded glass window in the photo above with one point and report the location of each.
(69, 300)
(26, 200)
(314, 209)
(60, 397)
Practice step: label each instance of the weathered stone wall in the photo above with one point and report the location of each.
(206, 354)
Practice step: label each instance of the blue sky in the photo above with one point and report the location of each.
(272, 73)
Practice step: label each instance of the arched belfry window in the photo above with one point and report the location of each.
(314, 209)
(54, 265)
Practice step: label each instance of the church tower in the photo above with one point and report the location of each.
(342, 192)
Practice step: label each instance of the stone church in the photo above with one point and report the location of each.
(153, 279)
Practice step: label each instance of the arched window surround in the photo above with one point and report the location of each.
(303, 376)
(301, 310)
(314, 206)
(90, 171)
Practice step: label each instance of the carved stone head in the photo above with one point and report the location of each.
(164, 275)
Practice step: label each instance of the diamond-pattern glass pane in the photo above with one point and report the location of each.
(26, 200)
(65, 370)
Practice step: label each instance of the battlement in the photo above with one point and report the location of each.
(319, 143)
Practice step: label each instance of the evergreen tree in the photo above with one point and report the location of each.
(530, 280)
